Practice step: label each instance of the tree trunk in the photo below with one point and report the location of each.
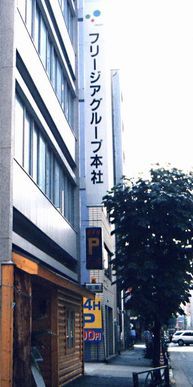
(156, 343)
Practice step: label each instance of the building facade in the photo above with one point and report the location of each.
(119, 164)
(40, 295)
(98, 145)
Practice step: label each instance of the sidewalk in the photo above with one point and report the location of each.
(117, 372)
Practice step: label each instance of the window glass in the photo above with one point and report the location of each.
(107, 264)
(72, 28)
(53, 69)
(71, 203)
(37, 28)
(62, 190)
(69, 20)
(65, 12)
(48, 65)
(59, 81)
(34, 154)
(66, 103)
(22, 6)
(56, 184)
(48, 173)
(43, 38)
(41, 164)
(29, 16)
(62, 96)
(66, 203)
(27, 143)
(39, 161)
(71, 109)
(19, 116)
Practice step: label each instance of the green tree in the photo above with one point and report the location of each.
(153, 224)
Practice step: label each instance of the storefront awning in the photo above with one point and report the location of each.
(35, 268)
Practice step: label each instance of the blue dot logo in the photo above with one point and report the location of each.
(97, 13)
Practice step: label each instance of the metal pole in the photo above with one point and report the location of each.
(135, 380)
(167, 378)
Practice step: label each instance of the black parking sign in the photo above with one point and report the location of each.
(94, 259)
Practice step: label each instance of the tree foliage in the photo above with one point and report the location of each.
(153, 224)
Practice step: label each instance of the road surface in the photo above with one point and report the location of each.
(182, 364)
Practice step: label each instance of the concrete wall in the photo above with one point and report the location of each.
(7, 69)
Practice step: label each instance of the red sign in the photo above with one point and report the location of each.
(92, 335)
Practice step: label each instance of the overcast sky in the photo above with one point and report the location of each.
(152, 44)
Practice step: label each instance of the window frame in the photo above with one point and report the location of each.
(46, 48)
(41, 163)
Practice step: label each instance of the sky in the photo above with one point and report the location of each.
(151, 42)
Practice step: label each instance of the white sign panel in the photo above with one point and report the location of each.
(98, 126)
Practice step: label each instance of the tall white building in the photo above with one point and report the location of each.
(40, 295)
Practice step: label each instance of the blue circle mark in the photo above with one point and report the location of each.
(97, 13)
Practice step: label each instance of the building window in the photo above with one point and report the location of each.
(35, 155)
(59, 82)
(53, 68)
(66, 103)
(70, 329)
(34, 152)
(45, 47)
(36, 32)
(69, 200)
(56, 184)
(48, 173)
(69, 17)
(27, 144)
(42, 164)
(107, 263)
(43, 41)
(19, 122)
(49, 52)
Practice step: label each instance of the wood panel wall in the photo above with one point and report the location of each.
(6, 326)
(40, 319)
(70, 361)
(22, 329)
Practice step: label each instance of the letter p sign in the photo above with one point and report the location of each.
(94, 248)
(93, 243)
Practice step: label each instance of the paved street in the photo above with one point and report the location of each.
(118, 372)
(182, 364)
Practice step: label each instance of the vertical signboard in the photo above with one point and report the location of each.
(94, 251)
(92, 313)
(98, 124)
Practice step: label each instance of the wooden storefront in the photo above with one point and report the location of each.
(47, 327)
